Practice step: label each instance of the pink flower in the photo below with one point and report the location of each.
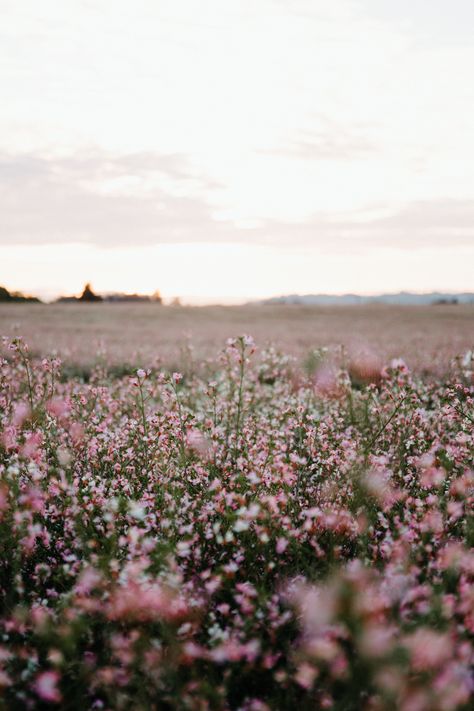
(326, 382)
(88, 580)
(306, 675)
(197, 442)
(32, 444)
(46, 686)
(21, 412)
(432, 477)
(77, 432)
(4, 679)
(429, 650)
(3, 497)
(58, 407)
(366, 367)
(146, 603)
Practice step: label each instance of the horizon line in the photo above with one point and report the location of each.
(191, 300)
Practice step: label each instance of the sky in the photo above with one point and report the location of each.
(228, 150)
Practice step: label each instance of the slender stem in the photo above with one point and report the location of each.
(25, 362)
(180, 417)
(141, 407)
(385, 424)
(463, 413)
(240, 397)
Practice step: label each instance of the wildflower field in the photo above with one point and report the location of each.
(428, 338)
(252, 534)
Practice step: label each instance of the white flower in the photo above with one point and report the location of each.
(241, 525)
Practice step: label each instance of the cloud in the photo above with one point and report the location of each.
(291, 107)
(145, 199)
(448, 217)
(100, 199)
(419, 224)
(332, 140)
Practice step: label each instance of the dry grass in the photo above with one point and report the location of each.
(426, 337)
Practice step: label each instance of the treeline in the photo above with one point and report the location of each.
(89, 296)
(16, 296)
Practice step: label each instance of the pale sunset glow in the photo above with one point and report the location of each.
(222, 151)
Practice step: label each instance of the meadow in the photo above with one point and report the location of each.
(427, 337)
(196, 522)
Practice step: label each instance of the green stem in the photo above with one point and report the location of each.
(25, 362)
(385, 425)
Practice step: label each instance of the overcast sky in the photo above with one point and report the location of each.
(230, 149)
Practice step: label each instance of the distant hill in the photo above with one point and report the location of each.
(402, 298)
(15, 297)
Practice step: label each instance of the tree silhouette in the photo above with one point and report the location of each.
(89, 295)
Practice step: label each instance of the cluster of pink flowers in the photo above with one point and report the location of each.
(245, 536)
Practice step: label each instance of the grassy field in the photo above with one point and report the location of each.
(426, 337)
